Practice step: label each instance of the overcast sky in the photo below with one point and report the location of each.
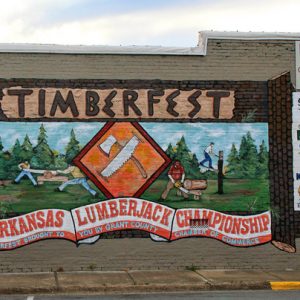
(139, 22)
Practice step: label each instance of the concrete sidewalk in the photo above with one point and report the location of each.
(142, 281)
(144, 254)
(141, 265)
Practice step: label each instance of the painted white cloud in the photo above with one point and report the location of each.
(53, 126)
(215, 133)
(24, 21)
(85, 127)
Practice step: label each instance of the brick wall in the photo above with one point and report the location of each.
(225, 60)
(281, 160)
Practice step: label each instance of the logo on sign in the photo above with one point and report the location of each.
(122, 159)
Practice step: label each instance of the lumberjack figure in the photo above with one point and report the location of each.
(25, 171)
(176, 175)
(78, 178)
(208, 152)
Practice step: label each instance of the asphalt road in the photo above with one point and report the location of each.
(223, 295)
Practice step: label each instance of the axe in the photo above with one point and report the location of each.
(106, 146)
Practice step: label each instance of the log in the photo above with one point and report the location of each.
(42, 179)
(195, 184)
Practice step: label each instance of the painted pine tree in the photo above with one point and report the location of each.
(43, 157)
(26, 149)
(263, 158)
(73, 148)
(3, 162)
(233, 161)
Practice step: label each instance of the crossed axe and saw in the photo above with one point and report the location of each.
(126, 152)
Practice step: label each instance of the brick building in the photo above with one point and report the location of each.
(218, 56)
(260, 67)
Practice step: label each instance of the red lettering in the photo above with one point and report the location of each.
(123, 207)
(31, 221)
(59, 216)
(113, 209)
(101, 211)
(253, 225)
(207, 215)
(155, 216)
(245, 225)
(22, 225)
(4, 229)
(222, 222)
(12, 226)
(165, 218)
(50, 219)
(217, 219)
(266, 221)
(132, 208)
(228, 224)
(180, 218)
(196, 214)
(41, 219)
(148, 212)
(236, 225)
(188, 214)
(81, 222)
(90, 214)
(141, 212)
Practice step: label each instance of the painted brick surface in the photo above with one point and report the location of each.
(225, 59)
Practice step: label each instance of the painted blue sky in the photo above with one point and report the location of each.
(197, 135)
(143, 22)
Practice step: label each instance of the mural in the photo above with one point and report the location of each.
(173, 168)
(171, 159)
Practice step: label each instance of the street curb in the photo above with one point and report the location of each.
(133, 288)
(136, 289)
(285, 285)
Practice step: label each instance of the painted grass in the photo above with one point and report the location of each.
(239, 195)
(249, 195)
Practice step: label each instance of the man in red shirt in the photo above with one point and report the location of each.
(175, 174)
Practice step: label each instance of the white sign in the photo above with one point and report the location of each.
(296, 149)
(297, 65)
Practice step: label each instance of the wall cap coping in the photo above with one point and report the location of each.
(199, 50)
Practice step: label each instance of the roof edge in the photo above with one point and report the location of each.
(205, 35)
(199, 50)
(93, 49)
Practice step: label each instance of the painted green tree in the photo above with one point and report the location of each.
(170, 151)
(3, 173)
(248, 162)
(188, 159)
(263, 159)
(12, 159)
(233, 160)
(26, 149)
(43, 156)
(59, 160)
(73, 148)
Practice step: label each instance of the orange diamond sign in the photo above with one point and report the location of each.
(122, 159)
